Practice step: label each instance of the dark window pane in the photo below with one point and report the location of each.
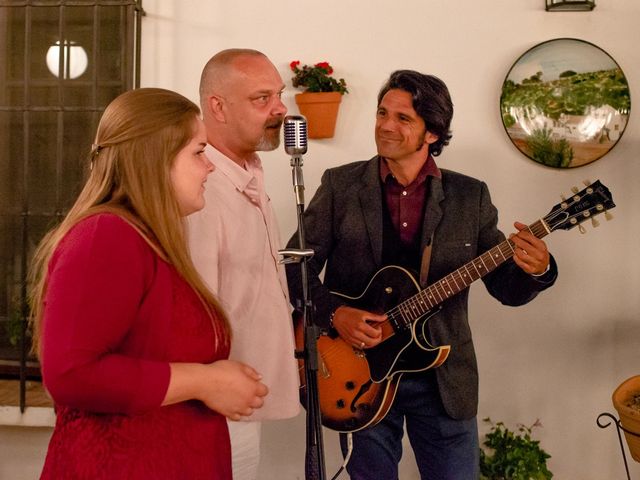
(42, 169)
(106, 94)
(43, 95)
(13, 96)
(111, 38)
(77, 136)
(13, 25)
(78, 39)
(77, 95)
(11, 293)
(11, 162)
(45, 32)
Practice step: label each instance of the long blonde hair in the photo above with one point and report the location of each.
(138, 138)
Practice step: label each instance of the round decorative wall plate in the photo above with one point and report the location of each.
(565, 103)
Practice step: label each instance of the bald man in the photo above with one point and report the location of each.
(235, 240)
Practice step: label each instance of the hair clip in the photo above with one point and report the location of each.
(95, 149)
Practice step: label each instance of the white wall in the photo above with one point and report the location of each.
(557, 359)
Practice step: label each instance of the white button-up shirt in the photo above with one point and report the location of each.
(234, 244)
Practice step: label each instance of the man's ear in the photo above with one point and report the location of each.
(215, 104)
(430, 138)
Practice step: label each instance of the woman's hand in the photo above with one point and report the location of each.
(230, 388)
(233, 389)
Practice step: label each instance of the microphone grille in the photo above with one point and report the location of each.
(295, 134)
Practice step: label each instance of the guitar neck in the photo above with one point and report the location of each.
(418, 305)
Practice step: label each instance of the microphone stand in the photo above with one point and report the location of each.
(314, 458)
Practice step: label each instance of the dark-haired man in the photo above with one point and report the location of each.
(385, 211)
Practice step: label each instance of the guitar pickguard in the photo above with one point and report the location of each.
(405, 347)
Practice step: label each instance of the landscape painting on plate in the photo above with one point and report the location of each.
(565, 103)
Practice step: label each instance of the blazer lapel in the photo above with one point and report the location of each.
(371, 206)
(433, 211)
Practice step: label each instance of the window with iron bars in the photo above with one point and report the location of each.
(61, 63)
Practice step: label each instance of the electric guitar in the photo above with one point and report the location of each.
(356, 387)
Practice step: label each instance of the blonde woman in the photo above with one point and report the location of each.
(133, 346)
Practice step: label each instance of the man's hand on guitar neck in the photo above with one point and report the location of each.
(358, 327)
(531, 253)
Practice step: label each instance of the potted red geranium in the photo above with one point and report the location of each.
(321, 98)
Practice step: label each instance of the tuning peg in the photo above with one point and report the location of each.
(587, 182)
(564, 199)
(582, 229)
(575, 189)
(595, 222)
(607, 215)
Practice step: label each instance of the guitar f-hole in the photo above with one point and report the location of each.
(363, 389)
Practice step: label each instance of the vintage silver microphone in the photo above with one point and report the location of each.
(295, 144)
(295, 135)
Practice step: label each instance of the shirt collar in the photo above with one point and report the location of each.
(429, 168)
(239, 177)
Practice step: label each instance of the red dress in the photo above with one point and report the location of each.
(115, 316)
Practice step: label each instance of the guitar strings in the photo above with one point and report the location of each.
(410, 310)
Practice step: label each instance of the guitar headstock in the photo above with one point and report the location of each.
(579, 207)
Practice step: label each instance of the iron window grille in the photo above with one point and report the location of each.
(61, 63)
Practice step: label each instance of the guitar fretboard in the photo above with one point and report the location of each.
(410, 310)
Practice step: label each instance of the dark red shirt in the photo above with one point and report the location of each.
(406, 203)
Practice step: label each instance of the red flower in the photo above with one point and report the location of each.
(326, 66)
(316, 78)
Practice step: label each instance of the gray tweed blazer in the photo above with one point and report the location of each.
(343, 225)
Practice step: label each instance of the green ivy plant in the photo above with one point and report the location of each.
(509, 455)
(15, 323)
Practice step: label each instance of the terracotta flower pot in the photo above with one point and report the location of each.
(321, 110)
(629, 416)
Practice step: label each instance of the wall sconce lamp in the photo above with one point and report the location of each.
(72, 57)
(569, 5)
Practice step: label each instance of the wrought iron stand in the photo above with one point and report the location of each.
(618, 428)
